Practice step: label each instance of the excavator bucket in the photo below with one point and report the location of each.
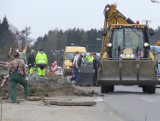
(128, 71)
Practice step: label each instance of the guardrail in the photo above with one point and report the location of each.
(3, 68)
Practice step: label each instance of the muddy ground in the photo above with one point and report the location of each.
(56, 86)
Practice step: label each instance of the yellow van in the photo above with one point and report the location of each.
(68, 58)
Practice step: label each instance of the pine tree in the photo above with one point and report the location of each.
(5, 25)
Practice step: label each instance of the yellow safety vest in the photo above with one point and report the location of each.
(90, 58)
(41, 58)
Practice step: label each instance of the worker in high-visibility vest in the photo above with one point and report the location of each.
(41, 63)
(90, 58)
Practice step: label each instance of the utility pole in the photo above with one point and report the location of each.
(147, 22)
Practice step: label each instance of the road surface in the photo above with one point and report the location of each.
(127, 103)
(133, 105)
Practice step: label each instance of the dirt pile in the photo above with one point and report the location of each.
(54, 76)
(55, 89)
(46, 89)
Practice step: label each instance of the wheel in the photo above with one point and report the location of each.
(103, 90)
(111, 88)
(107, 89)
(144, 88)
(151, 89)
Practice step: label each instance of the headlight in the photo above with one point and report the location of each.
(67, 67)
(146, 44)
(109, 44)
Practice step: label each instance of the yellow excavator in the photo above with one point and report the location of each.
(125, 58)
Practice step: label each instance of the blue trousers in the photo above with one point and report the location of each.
(95, 77)
(76, 75)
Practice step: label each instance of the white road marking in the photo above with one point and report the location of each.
(148, 100)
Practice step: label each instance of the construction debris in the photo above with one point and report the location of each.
(73, 101)
(34, 98)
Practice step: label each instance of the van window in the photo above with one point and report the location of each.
(69, 56)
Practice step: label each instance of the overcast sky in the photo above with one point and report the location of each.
(45, 15)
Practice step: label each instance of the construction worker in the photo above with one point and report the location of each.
(80, 60)
(90, 58)
(41, 63)
(17, 72)
(77, 64)
(84, 59)
(76, 68)
(22, 55)
(31, 62)
(95, 68)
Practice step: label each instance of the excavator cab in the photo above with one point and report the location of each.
(123, 39)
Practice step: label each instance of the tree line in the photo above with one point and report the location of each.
(54, 42)
(7, 38)
(12, 38)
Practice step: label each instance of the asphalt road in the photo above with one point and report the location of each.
(127, 103)
(132, 105)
